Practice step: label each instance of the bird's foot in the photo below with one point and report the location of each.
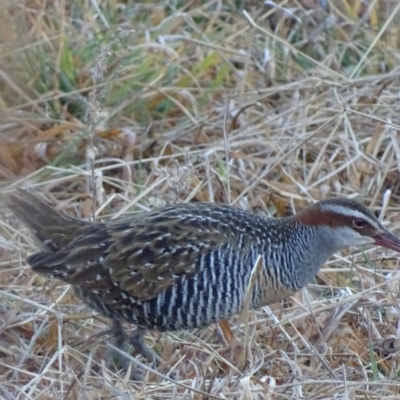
(138, 343)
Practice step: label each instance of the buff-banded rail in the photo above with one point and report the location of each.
(187, 266)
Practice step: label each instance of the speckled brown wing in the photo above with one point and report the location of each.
(138, 258)
(77, 262)
(148, 256)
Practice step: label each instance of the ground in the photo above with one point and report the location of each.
(109, 108)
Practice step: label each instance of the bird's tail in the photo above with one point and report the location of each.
(52, 229)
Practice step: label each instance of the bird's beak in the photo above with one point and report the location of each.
(388, 240)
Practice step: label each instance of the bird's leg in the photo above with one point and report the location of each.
(117, 333)
(119, 341)
(137, 341)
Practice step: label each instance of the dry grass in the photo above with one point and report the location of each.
(267, 109)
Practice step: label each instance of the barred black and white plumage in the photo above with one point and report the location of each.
(188, 265)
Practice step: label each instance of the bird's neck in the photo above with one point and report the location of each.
(308, 248)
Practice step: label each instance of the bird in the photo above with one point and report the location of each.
(189, 265)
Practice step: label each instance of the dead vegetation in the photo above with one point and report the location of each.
(266, 106)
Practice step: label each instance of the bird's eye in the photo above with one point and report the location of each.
(359, 223)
